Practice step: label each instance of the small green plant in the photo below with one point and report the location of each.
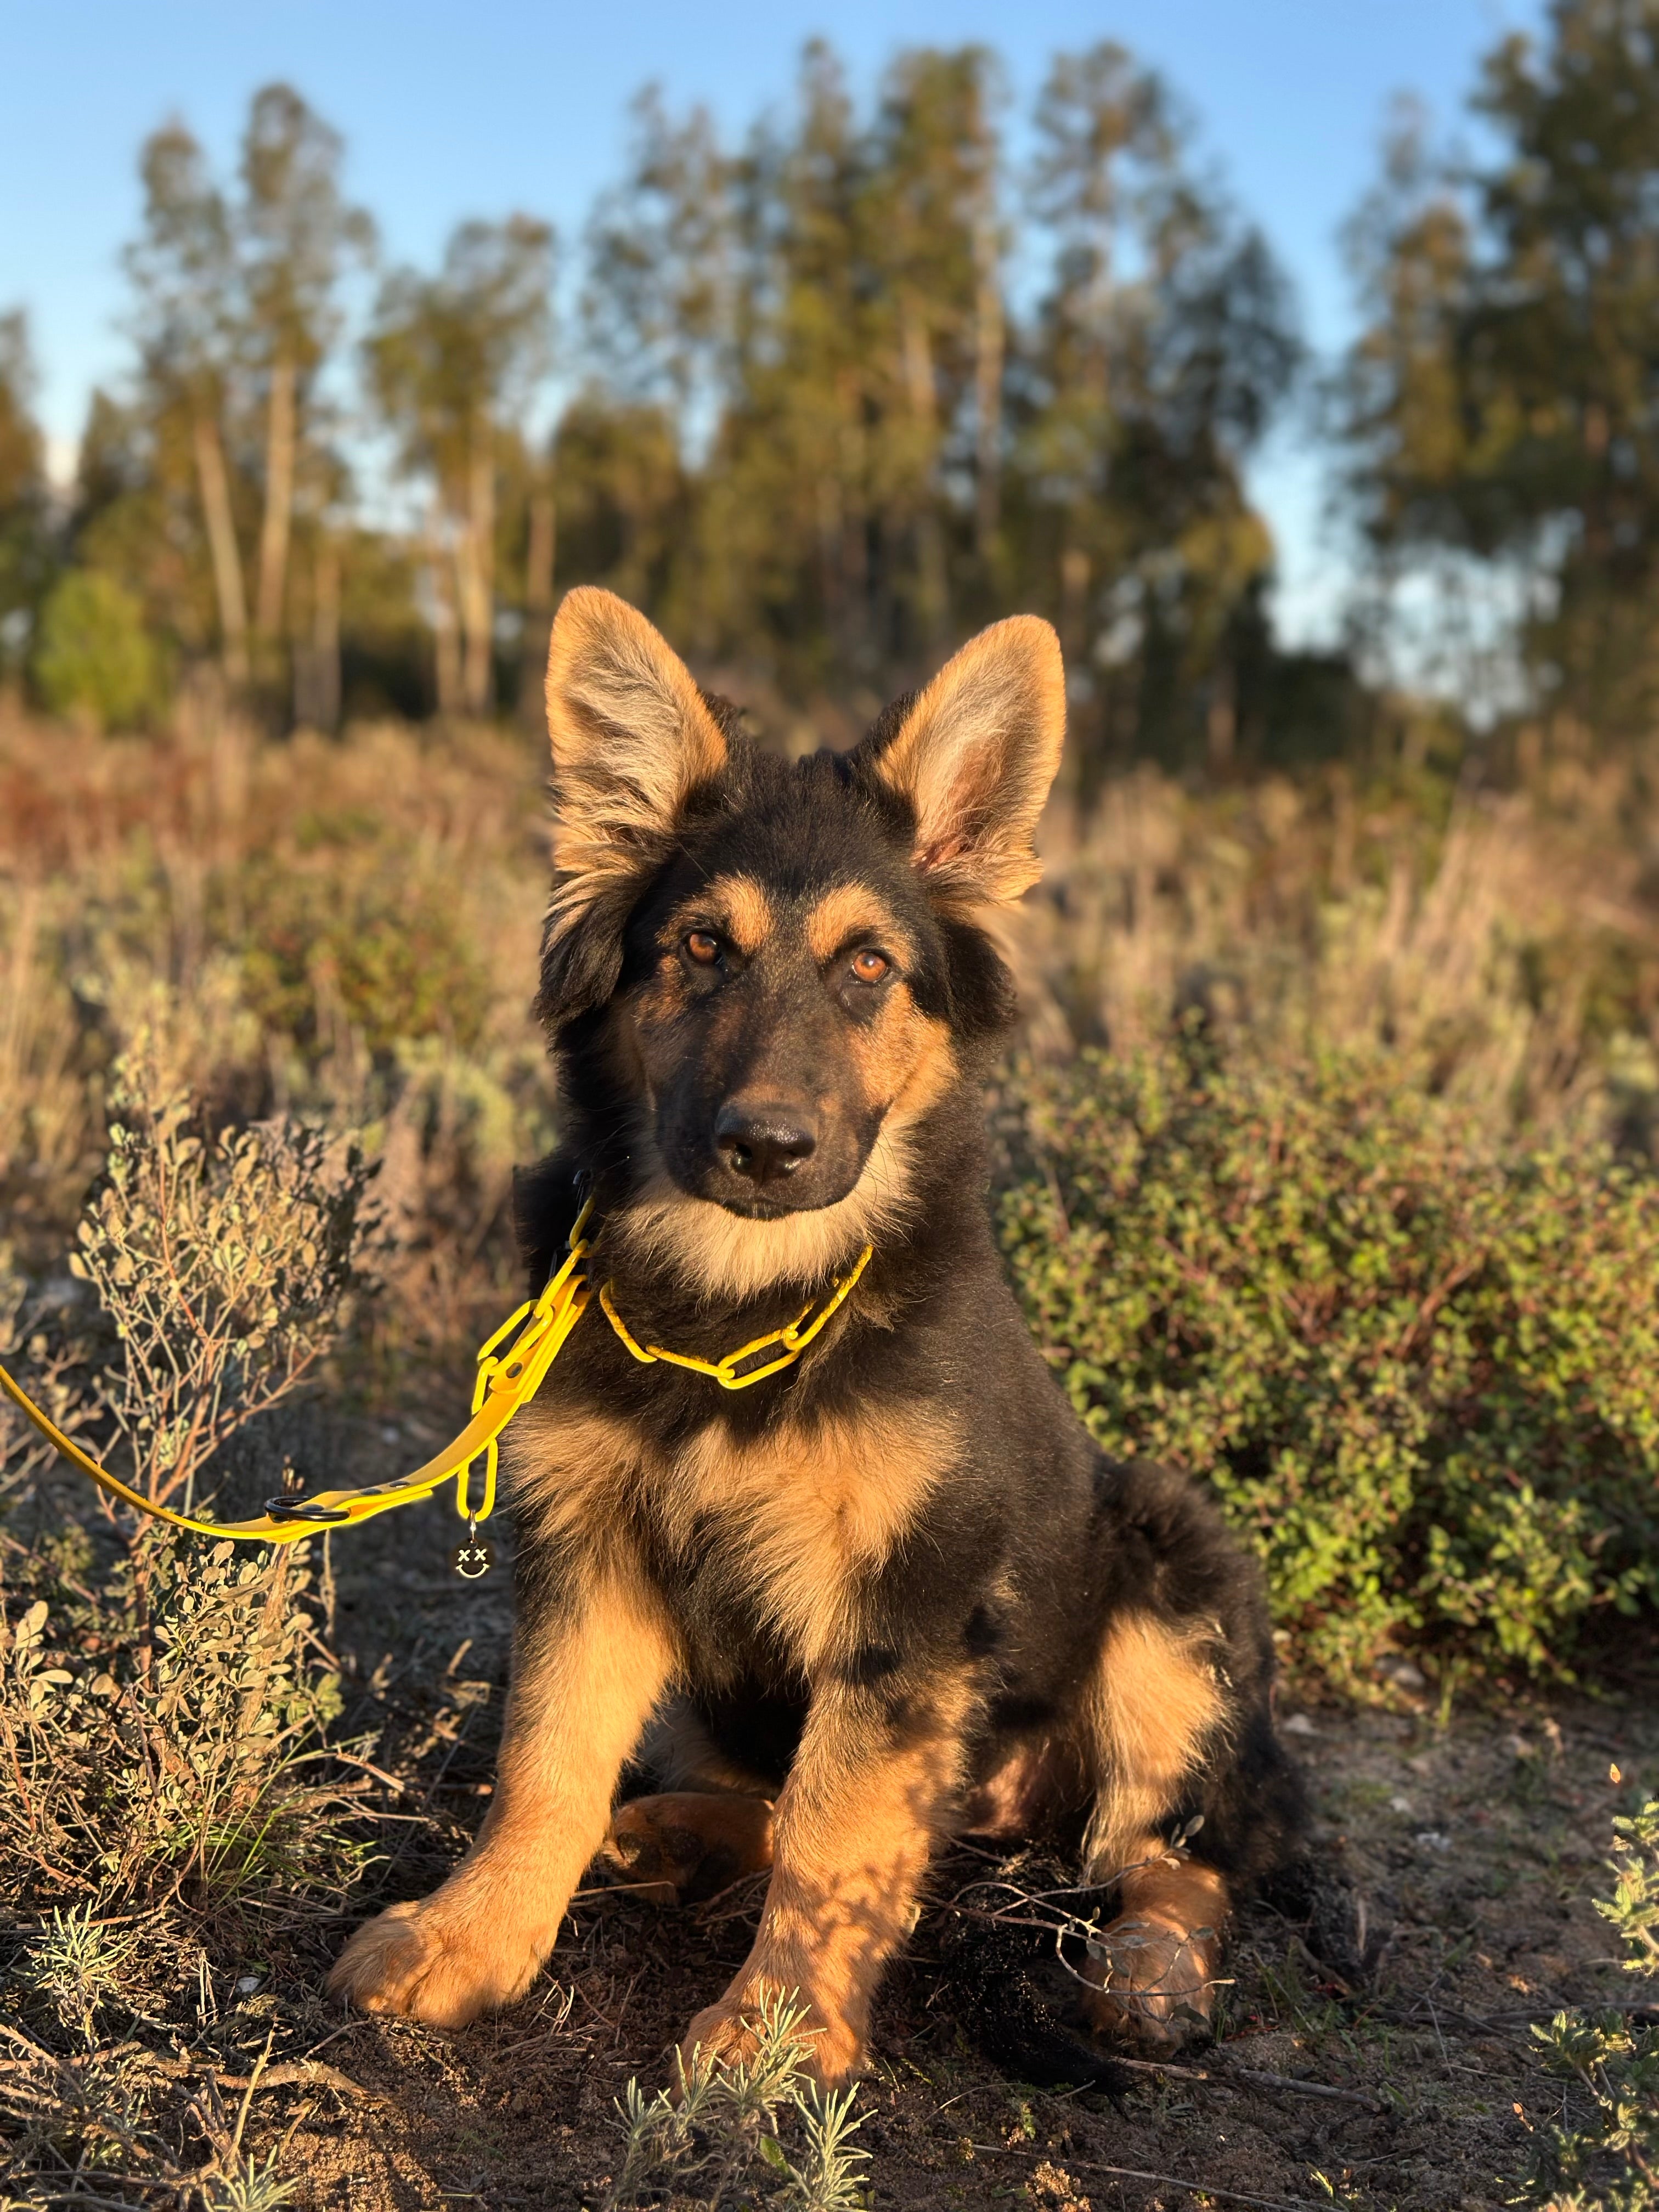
(78, 1962)
(95, 660)
(718, 2128)
(1610, 2162)
(249, 2186)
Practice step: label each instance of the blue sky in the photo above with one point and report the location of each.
(454, 110)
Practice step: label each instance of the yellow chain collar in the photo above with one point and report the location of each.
(795, 1338)
(507, 1380)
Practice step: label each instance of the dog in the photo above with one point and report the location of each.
(891, 1592)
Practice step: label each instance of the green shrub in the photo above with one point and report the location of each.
(1610, 2162)
(95, 660)
(377, 945)
(1418, 1371)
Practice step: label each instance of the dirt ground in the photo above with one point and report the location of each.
(1474, 1849)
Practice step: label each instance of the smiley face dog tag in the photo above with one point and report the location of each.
(472, 1558)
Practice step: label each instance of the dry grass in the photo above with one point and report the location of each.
(209, 1766)
(1503, 947)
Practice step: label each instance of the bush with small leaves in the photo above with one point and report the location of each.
(1415, 1366)
(225, 1266)
(174, 1730)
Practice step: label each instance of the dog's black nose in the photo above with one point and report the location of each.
(763, 1140)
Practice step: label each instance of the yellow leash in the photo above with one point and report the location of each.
(507, 1379)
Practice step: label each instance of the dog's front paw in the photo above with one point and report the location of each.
(433, 1962)
(730, 2032)
(1154, 1985)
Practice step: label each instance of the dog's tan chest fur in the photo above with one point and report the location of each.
(814, 1508)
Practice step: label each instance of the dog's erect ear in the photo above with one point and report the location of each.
(974, 757)
(631, 734)
(632, 739)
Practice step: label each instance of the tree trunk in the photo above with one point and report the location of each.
(539, 558)
(932, 589)
(1221, 720)
(989, 343)
(316, 664)
(854, 533)
(477, 566)
(447, 655)
(830, 527)
(215, 487)
(279, 499)
(1075, 569)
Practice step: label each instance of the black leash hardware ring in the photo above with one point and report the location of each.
(286, 1508)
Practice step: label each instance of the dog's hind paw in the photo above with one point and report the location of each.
(685, 1845)
(430, 1962)
(1153, 1985)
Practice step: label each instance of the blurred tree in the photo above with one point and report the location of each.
(1503, 402)
(183, 267)
(296, 235)
(623, 497)
(136, 515)
(656, 307)
(1160, 351)
(25, 548)
(222, 442)
(94, 660)
(785, 506)
(930, 201)
(448, 359)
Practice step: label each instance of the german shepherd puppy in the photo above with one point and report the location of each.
(893, 1592)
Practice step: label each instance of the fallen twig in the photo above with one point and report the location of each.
(1224, 2074)
(1163, 2180)
(308, 2073)
(1302, 2088)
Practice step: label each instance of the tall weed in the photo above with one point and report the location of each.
(165, 1706)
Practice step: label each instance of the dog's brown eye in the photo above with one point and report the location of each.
(703, 946)
(870, 967)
